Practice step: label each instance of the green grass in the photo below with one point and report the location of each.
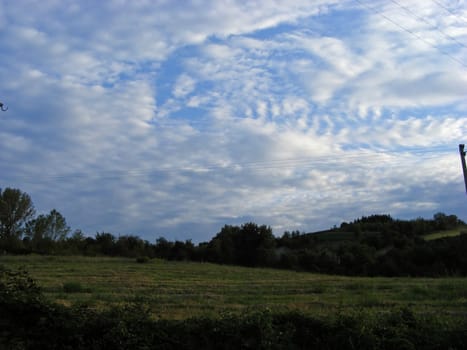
(74, 287)
(178, 290)
(447, 233)
(333, 236)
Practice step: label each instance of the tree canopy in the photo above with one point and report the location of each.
(370, 245)
(16, 208)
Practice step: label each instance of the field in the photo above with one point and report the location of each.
(180, 290)
(447, 233)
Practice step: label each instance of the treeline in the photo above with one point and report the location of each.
(29, 321)
(379, 245)
(370, 246)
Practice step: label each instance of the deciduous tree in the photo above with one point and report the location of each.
(16, 208)
(52, 227)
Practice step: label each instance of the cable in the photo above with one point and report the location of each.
(412, 33)
(449, 10)
(424, 20)
(359, 158)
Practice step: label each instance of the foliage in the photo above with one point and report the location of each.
(375, 245)
(43, 232)
(142, 259)
(73, 287)
(16, 208)
(52, 226)
(30, 322)
(177, 290)
(248, 245)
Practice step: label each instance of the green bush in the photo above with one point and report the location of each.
(28, 321)
(73, 287)
(142, 259)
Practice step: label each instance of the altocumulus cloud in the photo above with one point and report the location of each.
(175, 118)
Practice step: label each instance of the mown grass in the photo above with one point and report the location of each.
(179, 290)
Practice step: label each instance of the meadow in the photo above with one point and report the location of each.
(446, 233)
(181, 290)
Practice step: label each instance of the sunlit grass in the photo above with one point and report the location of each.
(183, 289)
(447, 233)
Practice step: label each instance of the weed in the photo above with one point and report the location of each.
(370, 300)
(73, 287)
(318, 289)
(142, 259)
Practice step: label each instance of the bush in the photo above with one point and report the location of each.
(142, 259)
(73, 287)
(28, 321)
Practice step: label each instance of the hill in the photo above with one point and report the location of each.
(462, 229)
(381, 245)
(375, 245)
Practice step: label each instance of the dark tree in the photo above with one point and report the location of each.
(52, 226)
(16, 208)
(106, 243)
(163, 248)
(130, 246)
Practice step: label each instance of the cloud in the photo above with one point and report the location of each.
(184, 86)
(160, 118)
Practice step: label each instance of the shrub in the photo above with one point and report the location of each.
(142, 259)
(28, 321)
(73, 287)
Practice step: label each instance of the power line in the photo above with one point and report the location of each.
(359, 159)
(427, 22)
(418, 37)
(449, 10)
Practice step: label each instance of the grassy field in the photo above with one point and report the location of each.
(447, 233)
(178, 290)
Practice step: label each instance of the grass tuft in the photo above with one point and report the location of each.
(74, 287)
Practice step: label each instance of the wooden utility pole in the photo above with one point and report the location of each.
(464, 167)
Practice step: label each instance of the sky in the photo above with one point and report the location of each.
(174, 118)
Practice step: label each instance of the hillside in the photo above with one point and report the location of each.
(462, 229)
(381, 245)
(375, 245)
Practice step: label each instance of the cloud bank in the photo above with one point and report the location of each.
(172, 119)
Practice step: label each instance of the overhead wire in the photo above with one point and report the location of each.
(449, 10)
(408, 10)
(418, 37)
(358, 159)
(371, 157)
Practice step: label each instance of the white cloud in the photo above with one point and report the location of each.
(184, 86)
(286, 126)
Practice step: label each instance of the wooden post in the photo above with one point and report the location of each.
(464, 167)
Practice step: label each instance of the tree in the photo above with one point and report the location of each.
(106, 243)
(129, 245)
(222, 248)
(163, 248)
(52, 227)
(46, 230)
(255, 245)
(16, 208)
(446, 222)
(76, 243)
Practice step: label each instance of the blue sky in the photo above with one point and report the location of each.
(173, 118)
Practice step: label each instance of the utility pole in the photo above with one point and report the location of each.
(464, 167)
